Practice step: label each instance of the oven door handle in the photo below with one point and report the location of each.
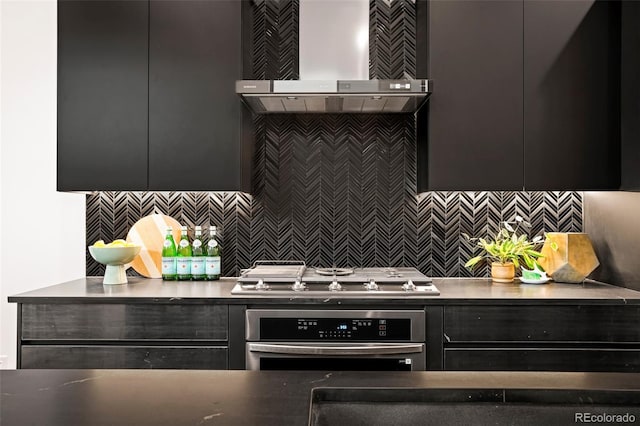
(335, 350)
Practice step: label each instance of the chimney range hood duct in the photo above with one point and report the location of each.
(334, 68)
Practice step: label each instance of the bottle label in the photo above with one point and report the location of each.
(167, 243)
(184, 265)
(197, 266)
(169, 266)
(184, 243)
(197, 243)
(213, 243)
(212, 265)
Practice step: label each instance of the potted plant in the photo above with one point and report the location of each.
(506, 250)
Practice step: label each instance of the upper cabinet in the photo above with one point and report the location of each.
(195, 57)
(474, 130)
(572, 95)
(526, 96)
(630, 94)
(147, 96)
(102, 95)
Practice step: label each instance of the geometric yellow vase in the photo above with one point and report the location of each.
(568, 256)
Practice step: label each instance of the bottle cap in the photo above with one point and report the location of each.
(169, 228)
(198, 228)
(213, 228)
(183, 227)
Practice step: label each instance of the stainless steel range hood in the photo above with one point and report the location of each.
(334, 67)
(334, 96)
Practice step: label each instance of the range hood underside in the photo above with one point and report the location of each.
(334, 96)
(334, 103)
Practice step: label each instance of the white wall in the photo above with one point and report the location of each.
(42, 232)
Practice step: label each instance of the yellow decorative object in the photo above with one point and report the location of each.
(568, 256)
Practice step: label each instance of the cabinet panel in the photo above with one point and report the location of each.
(475, 113)
(195, 57)
(102, 95)
(537, 359)
(542, 323)
(572, 95)
(124, 322)
(152, 357)
(630, 125)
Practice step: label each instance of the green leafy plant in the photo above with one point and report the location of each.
(508, 245)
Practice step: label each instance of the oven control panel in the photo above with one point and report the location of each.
(357, 329)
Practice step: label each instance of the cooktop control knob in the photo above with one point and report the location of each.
(409, 286)
(371, 285)
(261, 285)
(298, 286)
(335, 286)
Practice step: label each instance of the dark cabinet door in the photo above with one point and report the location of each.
(116, 356)
(102, 95)
(572, 95)
(543, 359)
(195, 56)
(123, 322)
(542, 324)
(474, 129)
(630, 125)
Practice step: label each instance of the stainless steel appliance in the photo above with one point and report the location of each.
(334, 96)
(334, 69)
(335, 340)
(294, 279)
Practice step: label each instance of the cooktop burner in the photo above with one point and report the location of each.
(357, 282)
(334, 271)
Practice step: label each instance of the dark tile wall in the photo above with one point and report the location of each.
(110, 215)
(392, 39)
(274, 52)
(337, 189)
(341, 218)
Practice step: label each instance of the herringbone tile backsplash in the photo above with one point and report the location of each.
(337, 189)
(327, 216)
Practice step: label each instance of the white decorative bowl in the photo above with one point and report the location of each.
(114, 258)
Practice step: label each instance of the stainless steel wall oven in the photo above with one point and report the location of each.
(366, 340)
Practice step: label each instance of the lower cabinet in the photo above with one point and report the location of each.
(491, 337)
(597, 338)
(140, 357)
(537, 359)
(123, 335)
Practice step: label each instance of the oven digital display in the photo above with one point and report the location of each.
(374, 329)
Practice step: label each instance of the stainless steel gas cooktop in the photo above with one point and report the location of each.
(294, 279)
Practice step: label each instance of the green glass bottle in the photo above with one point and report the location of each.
(214, 256)
(198, 255)
(184, 256)
(169, 253)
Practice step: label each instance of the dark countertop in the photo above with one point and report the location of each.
(192, 397)
(452, 291)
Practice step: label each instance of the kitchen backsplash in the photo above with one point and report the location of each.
(610, 219)
(348, 219)
(337, 189)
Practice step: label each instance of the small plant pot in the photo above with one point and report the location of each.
(503, 272)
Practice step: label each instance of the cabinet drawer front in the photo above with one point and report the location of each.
(542, 323)
(124, 322)
(153, 357)
(528, 359)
